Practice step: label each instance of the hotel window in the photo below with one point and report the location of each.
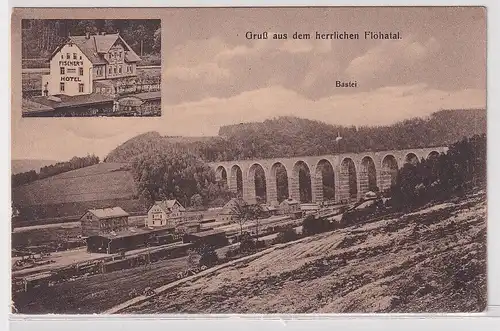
(62, 56)
(120, 69)
(80, 71)
(62, 70)
(114, 70)
(68, 56)
(109, 71)
(80, 57)
(75, 56)
(80, 88)
(61, 87)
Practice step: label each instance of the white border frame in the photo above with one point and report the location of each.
(482, 321)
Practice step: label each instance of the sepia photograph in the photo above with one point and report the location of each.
(91, 68)
(306, 161)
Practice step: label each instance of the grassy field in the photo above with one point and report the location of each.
(102, 181)
(433, 260)
(72, 193)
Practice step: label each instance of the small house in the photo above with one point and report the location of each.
(231, 211)
(101, 221)
(268, 210)
(165, 213)
(290, 207)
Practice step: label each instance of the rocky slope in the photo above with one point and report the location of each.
(432, 260)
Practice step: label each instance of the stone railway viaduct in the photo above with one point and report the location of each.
(354, 173)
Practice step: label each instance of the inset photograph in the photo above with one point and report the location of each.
(91, 68)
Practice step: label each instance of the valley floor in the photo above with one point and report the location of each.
(431, 260)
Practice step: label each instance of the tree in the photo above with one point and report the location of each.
(208, 256)
(196, 200)
(157, 41)
(173, 174)
(247, 213)
(440, 177)
(146, 198)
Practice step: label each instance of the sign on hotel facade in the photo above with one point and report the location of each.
(70, 73)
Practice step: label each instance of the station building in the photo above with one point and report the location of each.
(80, 62)
(103, 221)
(165, 213)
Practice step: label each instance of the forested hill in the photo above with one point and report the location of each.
(41, 37)
(291, 136)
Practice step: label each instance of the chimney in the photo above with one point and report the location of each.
(87, 35)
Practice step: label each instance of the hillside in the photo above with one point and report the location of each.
(431, 260)
(23, 165)
(290, 136)
(72, 192)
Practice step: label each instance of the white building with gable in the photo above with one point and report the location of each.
(77, 64)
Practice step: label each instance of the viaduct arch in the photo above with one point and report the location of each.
(351, 174)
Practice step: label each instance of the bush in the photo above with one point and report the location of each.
(311, 225)
(286, 236)
(150, 60)
(232, 252)
(208, 256)
(247, 243)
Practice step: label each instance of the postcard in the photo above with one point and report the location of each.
(273, 160)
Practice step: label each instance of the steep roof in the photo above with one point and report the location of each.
(167, 205)
(109, 212)
(232, 207)
(96, 46)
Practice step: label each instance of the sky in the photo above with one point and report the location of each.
(213, 76)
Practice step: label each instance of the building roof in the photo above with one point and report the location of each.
(266, 207)
(233, 206)
(147, 95)
(167, 205)
(289, 201)
(32, 107)
(72, 101)
(96, 46)
(309, 206)
(207, 233)
(131, 232)
(109, 212)
(139, 98)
